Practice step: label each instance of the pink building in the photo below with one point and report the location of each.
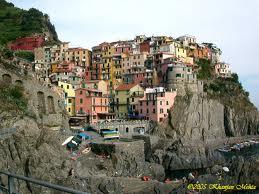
(122, 48)
(92, 104)
(65, 67)
(156, 104)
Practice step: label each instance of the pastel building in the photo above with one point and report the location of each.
(124, 95)
(92, 104)
(186, 40)
(97, 84)
(222, 70)
(156, 104)
(69, 94)
(80, 56)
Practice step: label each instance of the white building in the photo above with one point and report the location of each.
(222, 70)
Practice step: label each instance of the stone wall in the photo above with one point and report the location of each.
(126, 128)
(43, 103)
(129, 148)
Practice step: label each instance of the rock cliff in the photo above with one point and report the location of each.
(200, 123)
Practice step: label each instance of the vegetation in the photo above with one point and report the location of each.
(12, 98)
(229, 91)
(15, 22)
(206, 70)
(5, 52)
(29, 56)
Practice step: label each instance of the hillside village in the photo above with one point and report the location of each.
(132, 79)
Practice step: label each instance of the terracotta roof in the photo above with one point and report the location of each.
(125, 86)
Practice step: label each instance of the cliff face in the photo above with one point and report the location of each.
(196, 126)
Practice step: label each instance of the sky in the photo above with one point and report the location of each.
(233, 25)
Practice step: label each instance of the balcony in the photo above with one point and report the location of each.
(137, 94)
(98, 104)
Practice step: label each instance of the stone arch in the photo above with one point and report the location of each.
(51, 105)
(140, 130)
(7, 78)
(19, 82)
(41, 102)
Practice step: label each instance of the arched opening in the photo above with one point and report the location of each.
(41, 103)
(51, 105)
(7, 78)
(19, 82)
(140, 130)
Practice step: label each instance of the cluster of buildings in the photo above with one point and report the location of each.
(133, 79)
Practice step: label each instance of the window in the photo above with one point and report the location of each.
(81, 92)
(61, 86)
(140, 103)
(81, 100)
(141, 111)
(161, 103)
(168, 110)
(127, 129)
(69, 101)
(132, 99)
(69, 109)
(178, 75)
(67, 86)
(167, 103)
(147, 111)
(154, 102)
(161, 110)
(154, 110)
(94, 116)
(147, 103)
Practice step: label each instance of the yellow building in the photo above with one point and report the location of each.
(79, 56)
(69, 97)
(180, 52)
(125, 96)
(108, 51)
(53, 67)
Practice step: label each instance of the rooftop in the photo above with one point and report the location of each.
(125, 87)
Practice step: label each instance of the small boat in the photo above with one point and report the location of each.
(224, 150)
(86, 150)
(67, 140)
(235, 147)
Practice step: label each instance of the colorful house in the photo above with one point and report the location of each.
(92, 104)
(222, 70)
(125, 96)
(156, 104)
(27, 43)
(69, 97)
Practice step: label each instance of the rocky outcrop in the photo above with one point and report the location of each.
(196, 126)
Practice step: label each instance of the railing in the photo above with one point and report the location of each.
(10, 189)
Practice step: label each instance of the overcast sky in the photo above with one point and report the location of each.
(231, 24)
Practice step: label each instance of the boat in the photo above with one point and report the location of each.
(86, 150)
(67, 140)
(224, 150)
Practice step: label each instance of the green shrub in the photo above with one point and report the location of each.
(12, 98)
(29, 56)
(206, 71)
